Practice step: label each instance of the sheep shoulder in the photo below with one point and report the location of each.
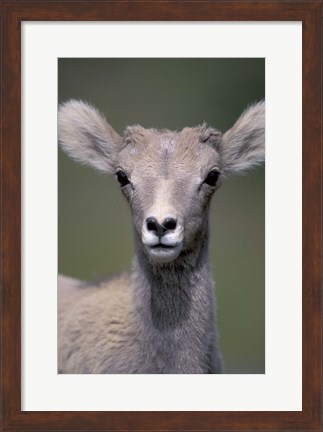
(96, 325)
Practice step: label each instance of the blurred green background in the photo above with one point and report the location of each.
(94, 230)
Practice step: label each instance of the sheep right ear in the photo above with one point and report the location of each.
(86, 136)
(243, 146)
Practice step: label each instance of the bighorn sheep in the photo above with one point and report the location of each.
(160, 318)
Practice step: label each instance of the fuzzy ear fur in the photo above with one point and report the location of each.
(86, 136)
(243, 146)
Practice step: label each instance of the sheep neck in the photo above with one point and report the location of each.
(169, 296)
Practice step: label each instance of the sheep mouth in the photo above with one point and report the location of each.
(162, 253)
(162, 246)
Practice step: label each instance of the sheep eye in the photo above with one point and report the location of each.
(122, 178)
(212, 177)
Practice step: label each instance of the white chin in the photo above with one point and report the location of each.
(164, 254)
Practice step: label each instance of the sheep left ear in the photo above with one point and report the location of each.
(243, 146)
(85, 135)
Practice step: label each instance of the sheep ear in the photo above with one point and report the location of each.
(86, 136)
(243, 146)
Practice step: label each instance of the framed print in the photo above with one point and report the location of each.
(164, 65)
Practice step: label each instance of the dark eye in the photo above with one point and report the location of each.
(122, 178)
(212, 177)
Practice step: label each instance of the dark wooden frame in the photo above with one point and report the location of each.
(13, 13)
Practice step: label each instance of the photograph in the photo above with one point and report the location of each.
(161, 215)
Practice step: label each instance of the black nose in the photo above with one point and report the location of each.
(167, 225)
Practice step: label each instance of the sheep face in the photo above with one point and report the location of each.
(168, 179)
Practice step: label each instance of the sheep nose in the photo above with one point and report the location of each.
(168, 224)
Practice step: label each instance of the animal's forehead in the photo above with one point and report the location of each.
(188, 148)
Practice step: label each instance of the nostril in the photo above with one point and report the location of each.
(152, 224)
(169, 223)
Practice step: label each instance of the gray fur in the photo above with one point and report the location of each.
(243, 146)
(160, 318)
(86, 136)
